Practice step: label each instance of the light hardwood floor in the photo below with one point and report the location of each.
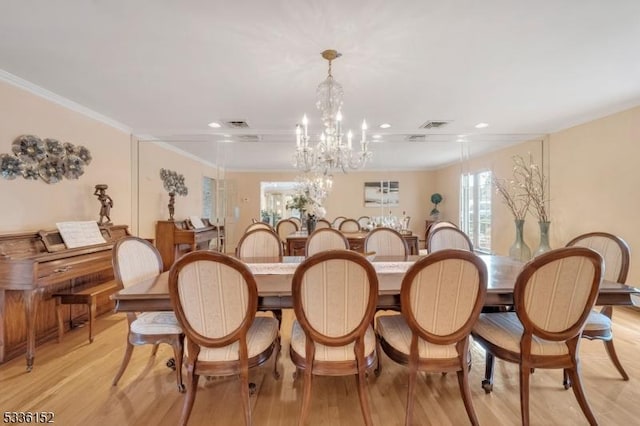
(73, 380)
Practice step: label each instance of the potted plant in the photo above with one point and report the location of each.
(436, 199)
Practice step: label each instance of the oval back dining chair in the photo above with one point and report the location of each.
(259, 225)
(334, 298)
(325, 239)
(284, 228)
(363, 221)
(296, 220)
(553, 296)
(136, 260)
(215, 299)
(615, 252)
(386, 242)
(337, 221)
(349, 225)
(259, 243)
(441, 298)
(448, 238)
(323, 223)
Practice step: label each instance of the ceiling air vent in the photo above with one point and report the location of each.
(237, 124)
(247, 138)
(416, 138)
(434, 124)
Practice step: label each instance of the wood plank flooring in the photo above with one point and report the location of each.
(73, 380)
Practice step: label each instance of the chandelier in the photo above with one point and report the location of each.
(333, 151)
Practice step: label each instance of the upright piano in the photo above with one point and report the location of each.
(34, 265)
(175, 238)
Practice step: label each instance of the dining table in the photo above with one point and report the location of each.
(273, 278)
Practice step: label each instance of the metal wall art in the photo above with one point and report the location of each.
(47, 159)
(174, 184)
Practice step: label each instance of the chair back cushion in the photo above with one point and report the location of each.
(386, 242)
(442, 295)
(135, 260)
(614, 250)
(214, 297)
(448, 237)
(349, 225)
(258, 225)
(286, 227)
(555, 292)
(334, 296)
(363, 221)
(325, 239)
(323, 223)
(259, 243)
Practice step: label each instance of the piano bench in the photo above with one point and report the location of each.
(86, 296)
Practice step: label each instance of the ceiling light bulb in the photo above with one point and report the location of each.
(481, 125)
(385, 125)
(214, 125)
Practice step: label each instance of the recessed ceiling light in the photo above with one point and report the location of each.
(225, 141)
(214, 125)
(482, 125)
(385, 125)
(377, 136)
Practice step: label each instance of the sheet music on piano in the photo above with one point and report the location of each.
(80, 233)
(196, 222)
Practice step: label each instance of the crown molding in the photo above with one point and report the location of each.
(173, 148)
(60, 100)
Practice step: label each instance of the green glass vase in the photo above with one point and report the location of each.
(519, 250)
(544, 238)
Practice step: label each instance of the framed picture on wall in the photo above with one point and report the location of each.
(384, 193)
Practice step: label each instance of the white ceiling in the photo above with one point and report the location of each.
(167, 69)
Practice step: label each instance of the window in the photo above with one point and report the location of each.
(475, 209)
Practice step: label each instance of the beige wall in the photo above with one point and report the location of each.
(154, 199)
(346, 198)
(594, 181)
(593, 175)
(32, 205)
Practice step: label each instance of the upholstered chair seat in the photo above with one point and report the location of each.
(396, 332)
(156, 323)
(331, 353)
(260, 336)
(505, 330)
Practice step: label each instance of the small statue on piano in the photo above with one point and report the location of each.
(106, 204)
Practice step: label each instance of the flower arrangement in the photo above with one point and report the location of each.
(312, 191)
(305, 204)
(513, 196)
(526, 191)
